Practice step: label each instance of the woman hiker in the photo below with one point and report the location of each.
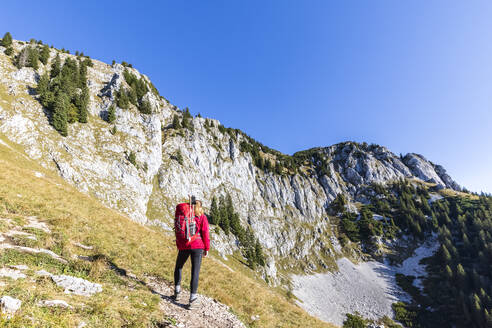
(192, 239)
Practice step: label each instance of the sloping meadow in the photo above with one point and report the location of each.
(120, 256)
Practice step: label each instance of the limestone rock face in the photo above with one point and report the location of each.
(427, 171)
(286, 212)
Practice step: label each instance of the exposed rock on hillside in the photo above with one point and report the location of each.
(286, 211)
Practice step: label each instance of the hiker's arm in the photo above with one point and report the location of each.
(205, 234)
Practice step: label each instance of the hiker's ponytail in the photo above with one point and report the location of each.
(198, 208)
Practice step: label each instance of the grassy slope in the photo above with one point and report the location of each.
(76, 217)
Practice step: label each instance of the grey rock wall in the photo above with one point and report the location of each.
(287, 213)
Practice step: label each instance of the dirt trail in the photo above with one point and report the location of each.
(208, 314)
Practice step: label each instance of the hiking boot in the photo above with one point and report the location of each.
(194, 303)
(175, 296)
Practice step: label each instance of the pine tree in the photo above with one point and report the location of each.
(449, 272)
(43, 86)
(445, 255)
(176, 124)
(33, 58)
(7, 40)
(82, 76)
(145, 107)
(111, 113)
(488, 318)
(236, 227)
(56, 67)
(132, 96)
(339, 203)
(9, 51)
(224, 218)
(45, 54)
(214, 212)
(229, 206)
(72, 114)
(83, 104)
(60, 114)
(461, 275)
(260, 258)
(122, 98)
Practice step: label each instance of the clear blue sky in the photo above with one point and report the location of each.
(415, 76)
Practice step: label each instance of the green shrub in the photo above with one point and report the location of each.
(145, 107)
(132, 158)
(9, 51)
(176, 123)
(404, 315)
(111, 114)
(354, 321)
(178, 157)
(7, 40)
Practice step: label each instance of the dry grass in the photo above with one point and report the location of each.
(119, 244)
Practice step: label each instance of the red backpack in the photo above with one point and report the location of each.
(185, 225)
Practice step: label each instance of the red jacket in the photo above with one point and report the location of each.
(199, 243)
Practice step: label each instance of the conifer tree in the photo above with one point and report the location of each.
(9, 51)
(82, 76)
(260, 258)
(111, 113)
(7, 40)
(224, 218)
(43, 85)
(339, 203)
(60, 114)
(236, 227)
(145, 107)
(83, 104)
(122, 98)
(44, 56)
(214, 212)
(176, 123)
(449, 272)
(72, 114)
(445, 255)
(33, 58)
(55, 67)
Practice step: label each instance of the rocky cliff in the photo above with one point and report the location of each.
(285, 208)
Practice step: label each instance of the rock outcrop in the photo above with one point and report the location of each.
(286, 211)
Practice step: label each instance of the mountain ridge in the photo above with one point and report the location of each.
(215, 160)
(152, 155)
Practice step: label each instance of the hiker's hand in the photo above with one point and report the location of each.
(205, 253)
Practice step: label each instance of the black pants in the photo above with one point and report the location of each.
(196, 261)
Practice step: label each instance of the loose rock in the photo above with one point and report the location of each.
(9, 305)
(11, 273)
(76, 285)
(54, 303)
